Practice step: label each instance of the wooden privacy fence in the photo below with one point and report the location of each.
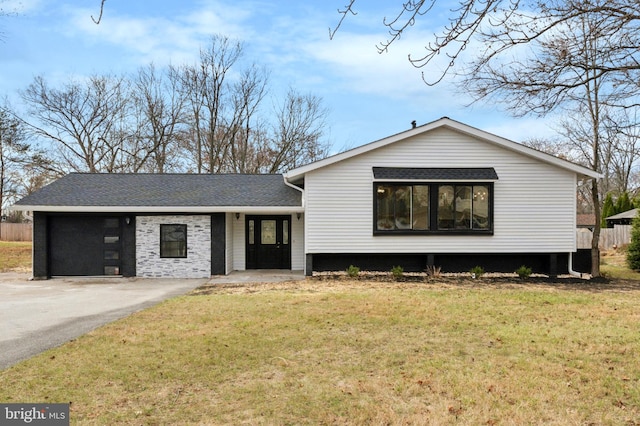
(15, 231)
(617, 236)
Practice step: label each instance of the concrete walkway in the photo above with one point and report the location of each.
(39, 315)
(257, 275)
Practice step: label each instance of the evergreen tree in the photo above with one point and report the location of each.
(624, 203)
(607, 210)
(633, 251)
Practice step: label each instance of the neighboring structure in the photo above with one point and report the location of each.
(624, 218)
(586, 221)
(442, 194)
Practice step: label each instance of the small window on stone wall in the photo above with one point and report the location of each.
(173, 240)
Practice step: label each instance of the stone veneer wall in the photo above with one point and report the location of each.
(197, 264)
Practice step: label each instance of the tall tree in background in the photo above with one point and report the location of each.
(13, 150)
(23, 168)
(246, 129)
(208, 88)
(204, 118)
(297, 138)
(161, 116)
(84, 122)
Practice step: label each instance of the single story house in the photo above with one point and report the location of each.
(443, 194)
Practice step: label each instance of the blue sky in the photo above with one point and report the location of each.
(369, 96)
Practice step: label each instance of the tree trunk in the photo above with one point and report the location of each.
(595, 241)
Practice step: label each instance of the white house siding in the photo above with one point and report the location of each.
(297, 243)
(239, 252)
(534, 202)
(197, 264)
(229, 242)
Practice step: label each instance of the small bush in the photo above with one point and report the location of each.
(353, 271)
(397, 272)
(434, 271)
(477, 272)
(523, 272)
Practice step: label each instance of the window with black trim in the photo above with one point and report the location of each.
(173, 241)
(402, 207)
(433, 208)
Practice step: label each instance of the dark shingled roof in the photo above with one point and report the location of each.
(400, 173)
(179, 190)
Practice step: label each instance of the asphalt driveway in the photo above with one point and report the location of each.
(39, 315)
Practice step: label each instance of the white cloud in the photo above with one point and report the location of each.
(355, 61)
(159, 39)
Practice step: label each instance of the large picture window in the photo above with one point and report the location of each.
(402, 207)
(428, 208)
(173, 240)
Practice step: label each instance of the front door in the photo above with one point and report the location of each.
(268, 242)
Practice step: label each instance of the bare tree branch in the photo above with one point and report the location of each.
(97, 22)
(348, 9)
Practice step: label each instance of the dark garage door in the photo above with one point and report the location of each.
(84, 245)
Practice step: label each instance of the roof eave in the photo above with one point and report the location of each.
(158, 209)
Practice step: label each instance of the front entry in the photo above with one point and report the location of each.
(268, 242)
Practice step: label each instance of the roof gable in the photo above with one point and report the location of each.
(297, 174)
(164, 191)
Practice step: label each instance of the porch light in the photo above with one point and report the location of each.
(237, 216)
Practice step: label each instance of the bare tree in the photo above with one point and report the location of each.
(495, 27)
(207, 86)
(83, 121)
(12, 150)
(246, 128)
(297, 137)
(20, 161)
(160, 110)
(620, 151)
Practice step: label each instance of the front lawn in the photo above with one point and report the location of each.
(355, 352)
(613, 264)
(15, 256)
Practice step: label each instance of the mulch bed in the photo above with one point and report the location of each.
(337, 281)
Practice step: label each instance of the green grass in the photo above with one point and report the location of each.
(613, 265)
(353, 353)
(15, 256)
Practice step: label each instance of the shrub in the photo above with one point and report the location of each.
(353, 271)
(434, 271)
(477, 272)
(523, 272)
(633, 250)
(397, 272)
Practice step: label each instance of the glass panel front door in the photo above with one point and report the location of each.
(268, 232)
(268, 242)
